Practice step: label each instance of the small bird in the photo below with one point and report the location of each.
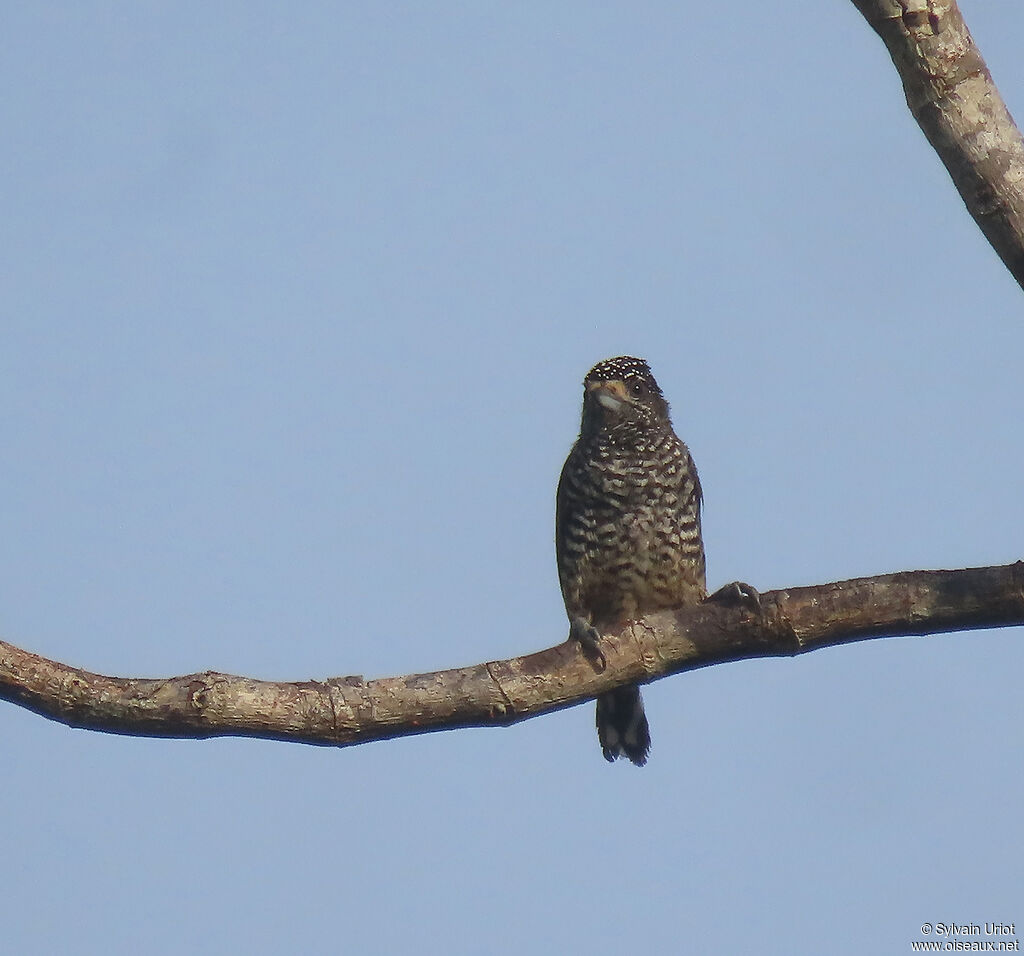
(627, 528)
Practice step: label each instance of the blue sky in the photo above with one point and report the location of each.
(296, 306)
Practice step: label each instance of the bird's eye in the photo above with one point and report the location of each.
(637, 389)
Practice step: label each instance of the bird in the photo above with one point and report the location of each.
(627, 528)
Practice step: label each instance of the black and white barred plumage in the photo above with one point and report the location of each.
(627, 527)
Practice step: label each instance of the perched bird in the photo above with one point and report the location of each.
(627, 528)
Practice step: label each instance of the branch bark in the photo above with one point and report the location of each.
(350, 710)
(952, 96)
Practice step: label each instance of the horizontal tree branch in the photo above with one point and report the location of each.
(350, 710)
(952, 96)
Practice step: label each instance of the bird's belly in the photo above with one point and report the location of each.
(645, 577)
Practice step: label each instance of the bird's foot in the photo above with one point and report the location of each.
(589, 638)
(738, 594)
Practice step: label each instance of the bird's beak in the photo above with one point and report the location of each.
(611, 395)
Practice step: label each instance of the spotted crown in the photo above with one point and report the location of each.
(624, 368)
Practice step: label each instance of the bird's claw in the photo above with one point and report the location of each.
(588, 637)
(738, 594)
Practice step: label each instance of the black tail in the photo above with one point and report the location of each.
(622, 725)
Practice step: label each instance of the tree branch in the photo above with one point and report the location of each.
(351, 710)
(953, 98)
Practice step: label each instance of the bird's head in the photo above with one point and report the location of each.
(622, 393)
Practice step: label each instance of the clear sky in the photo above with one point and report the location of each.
(296, 303)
